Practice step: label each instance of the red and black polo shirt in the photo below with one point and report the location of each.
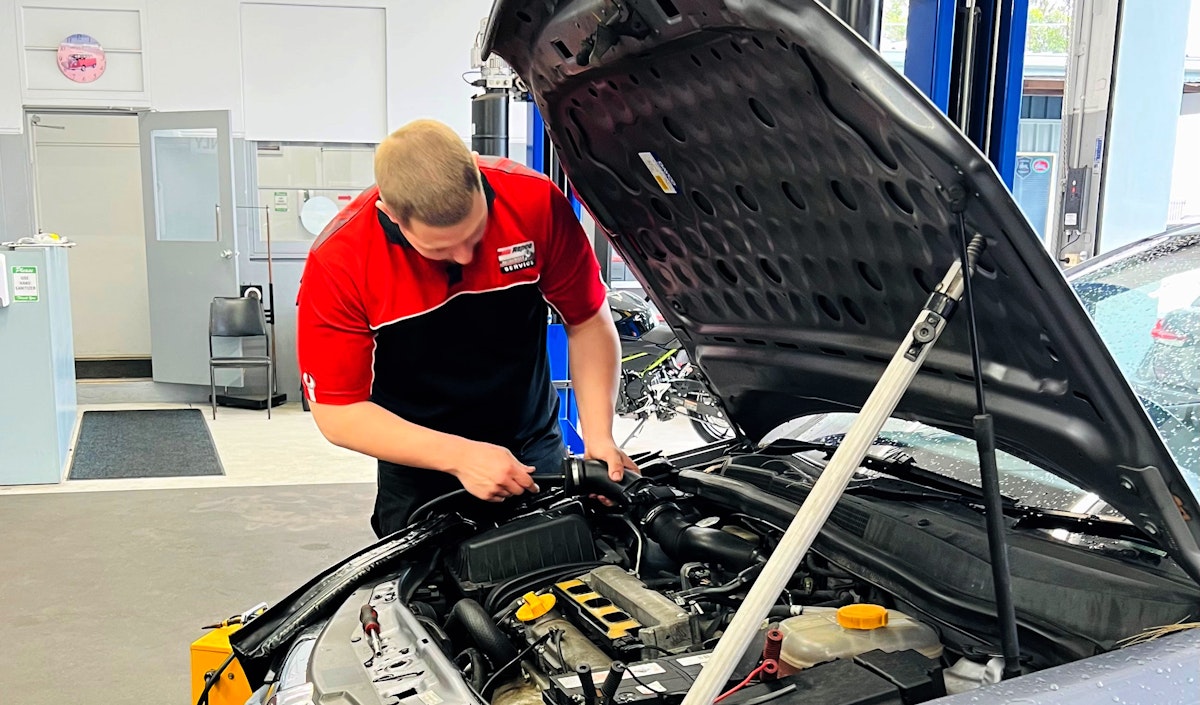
(458, 349)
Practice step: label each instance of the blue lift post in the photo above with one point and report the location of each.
(930, 48)
(556, 332)
(998, 137)
(931, 64)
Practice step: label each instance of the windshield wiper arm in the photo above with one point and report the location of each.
(898, 464)
(1089, 524)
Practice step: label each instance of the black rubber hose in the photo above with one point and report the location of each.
(475, 660)
(683, 541)
(591, 477)
(470, 617)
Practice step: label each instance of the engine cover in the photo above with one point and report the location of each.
(620, 607)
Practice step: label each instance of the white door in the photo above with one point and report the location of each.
(187, 178)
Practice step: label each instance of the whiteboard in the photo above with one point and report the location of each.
(314, 73)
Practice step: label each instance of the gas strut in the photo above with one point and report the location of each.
(985, 444)
(830, 485)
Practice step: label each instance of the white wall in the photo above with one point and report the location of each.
(195, 60)
(191, 58)
(10, 78)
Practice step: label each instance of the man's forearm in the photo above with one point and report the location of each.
(367, 428)
(595, 353)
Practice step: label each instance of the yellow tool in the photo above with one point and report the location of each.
(209, 652)
(212, 656)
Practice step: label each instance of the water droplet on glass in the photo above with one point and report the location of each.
(1099, 684)
(1116, 699)
(1054, 686)
(1157, 670)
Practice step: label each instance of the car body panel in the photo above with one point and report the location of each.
(1162, 672)
(785, 198)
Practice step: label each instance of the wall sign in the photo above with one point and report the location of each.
(81, 58)
(25, 284)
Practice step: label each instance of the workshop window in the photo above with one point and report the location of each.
(301, 187)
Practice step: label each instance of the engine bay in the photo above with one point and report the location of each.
(576, 603)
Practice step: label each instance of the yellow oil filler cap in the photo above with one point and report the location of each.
(534, 606)
(862, 616)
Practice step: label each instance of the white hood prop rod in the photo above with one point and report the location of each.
(827, 490)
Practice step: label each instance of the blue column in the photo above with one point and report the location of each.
(556, 334)
(929, 62)
(1144, 117)
(930, 45)
(560, 373)
(535, 146)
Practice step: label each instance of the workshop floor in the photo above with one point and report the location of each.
(107, 582)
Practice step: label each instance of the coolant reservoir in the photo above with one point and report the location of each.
(825, 634)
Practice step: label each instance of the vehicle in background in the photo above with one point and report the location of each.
(657, 379)
(1145, 300)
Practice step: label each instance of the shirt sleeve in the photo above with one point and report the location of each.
(334, 341)
(570, 277)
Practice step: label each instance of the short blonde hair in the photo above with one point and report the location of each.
(425, 171)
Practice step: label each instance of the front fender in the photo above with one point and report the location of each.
(257, 644)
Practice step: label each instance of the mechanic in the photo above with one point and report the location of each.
(422, 326)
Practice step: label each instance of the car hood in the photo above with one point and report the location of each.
(782, 195)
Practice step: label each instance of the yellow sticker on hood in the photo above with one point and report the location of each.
(659, 172)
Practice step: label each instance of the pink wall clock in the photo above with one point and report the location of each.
(81, 58)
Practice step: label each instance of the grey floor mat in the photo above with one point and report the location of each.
(147, 443)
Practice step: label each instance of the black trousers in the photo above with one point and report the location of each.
(403, 489)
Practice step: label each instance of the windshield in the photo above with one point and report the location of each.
(1145, 302)
(953, 456)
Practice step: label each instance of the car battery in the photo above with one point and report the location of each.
(663, 680)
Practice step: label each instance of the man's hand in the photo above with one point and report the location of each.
(616, 459)
(491, 472)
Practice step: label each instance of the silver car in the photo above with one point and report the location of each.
(790, 204)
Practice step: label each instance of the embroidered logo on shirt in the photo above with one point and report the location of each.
(516, 257)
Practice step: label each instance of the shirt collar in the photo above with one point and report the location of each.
(396, 236)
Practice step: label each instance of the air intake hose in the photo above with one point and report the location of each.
(469, 617)
(684, 541)
(591, 476)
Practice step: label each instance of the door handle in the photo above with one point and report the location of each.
(227, 253)
(218, 208)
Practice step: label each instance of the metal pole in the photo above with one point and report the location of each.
(273, 383)
(864, 16)
(827, 490)
(271, 301)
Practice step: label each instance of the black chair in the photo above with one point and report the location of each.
(238, 317)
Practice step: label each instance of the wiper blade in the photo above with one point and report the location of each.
(897, 464)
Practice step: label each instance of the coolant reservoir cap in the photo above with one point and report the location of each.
(534, 606)
(862, 616)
